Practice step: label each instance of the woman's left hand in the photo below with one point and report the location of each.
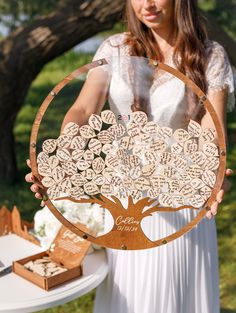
(220, 195)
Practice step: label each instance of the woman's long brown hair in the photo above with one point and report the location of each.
(190, 42)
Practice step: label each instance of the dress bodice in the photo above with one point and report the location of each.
(166, 96)
(168, 109)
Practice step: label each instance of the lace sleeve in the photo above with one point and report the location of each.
(219, 73)
(104, 50)
(108, 50)
(111, 49)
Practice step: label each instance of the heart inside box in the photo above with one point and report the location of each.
(43, 281)
(44, 266)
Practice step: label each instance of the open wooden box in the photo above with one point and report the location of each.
(42, 281)
(67, 251)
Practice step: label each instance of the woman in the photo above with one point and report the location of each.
(182, 276)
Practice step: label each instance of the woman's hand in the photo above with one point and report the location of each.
(31, 179)
(220, 195)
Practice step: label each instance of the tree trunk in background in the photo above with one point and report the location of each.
(24, 53)
(7, 144)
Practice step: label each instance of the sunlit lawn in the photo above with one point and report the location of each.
(23, 198)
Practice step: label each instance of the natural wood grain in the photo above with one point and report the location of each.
(10, 222)
(131, 236)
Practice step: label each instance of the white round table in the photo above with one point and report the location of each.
(18, 295)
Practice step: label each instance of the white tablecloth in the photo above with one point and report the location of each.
(21, 296)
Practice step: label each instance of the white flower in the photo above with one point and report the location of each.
(46, 225)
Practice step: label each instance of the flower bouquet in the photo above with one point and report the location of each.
(46, 225)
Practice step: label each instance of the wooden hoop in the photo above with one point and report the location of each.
(132, 241)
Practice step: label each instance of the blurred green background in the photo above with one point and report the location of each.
(224, 13)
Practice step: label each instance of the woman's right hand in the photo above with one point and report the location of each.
(31, 179)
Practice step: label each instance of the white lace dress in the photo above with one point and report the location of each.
(182, 276)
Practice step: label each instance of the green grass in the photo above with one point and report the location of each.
(223, 12)
(81, 305)
(20, 194)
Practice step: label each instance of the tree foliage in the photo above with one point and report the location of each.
(15, 13)
(223, 11)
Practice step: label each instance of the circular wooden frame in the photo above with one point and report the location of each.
(132, 241)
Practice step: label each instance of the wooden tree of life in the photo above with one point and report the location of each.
(151, 167)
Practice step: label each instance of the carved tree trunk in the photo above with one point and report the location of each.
(127, 231)
(24, 53)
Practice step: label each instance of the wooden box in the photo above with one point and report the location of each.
(42, 281)
(67, 251)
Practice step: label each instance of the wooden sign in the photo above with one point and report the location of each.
(68, 249)
(11, 222)
(61, 263)
(154, 168)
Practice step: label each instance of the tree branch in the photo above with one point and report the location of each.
(146, 202)
(104, 202)
(158, 208)
(92, 200)
(118, 202)
(114, 208)
(24, 53)
(56, 33)
(130, 201)
(141, 204)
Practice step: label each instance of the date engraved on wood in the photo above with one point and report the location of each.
(126, 223)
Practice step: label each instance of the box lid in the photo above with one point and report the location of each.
(68, 249)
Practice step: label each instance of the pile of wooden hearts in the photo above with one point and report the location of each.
(139, 159)
(44, 267)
